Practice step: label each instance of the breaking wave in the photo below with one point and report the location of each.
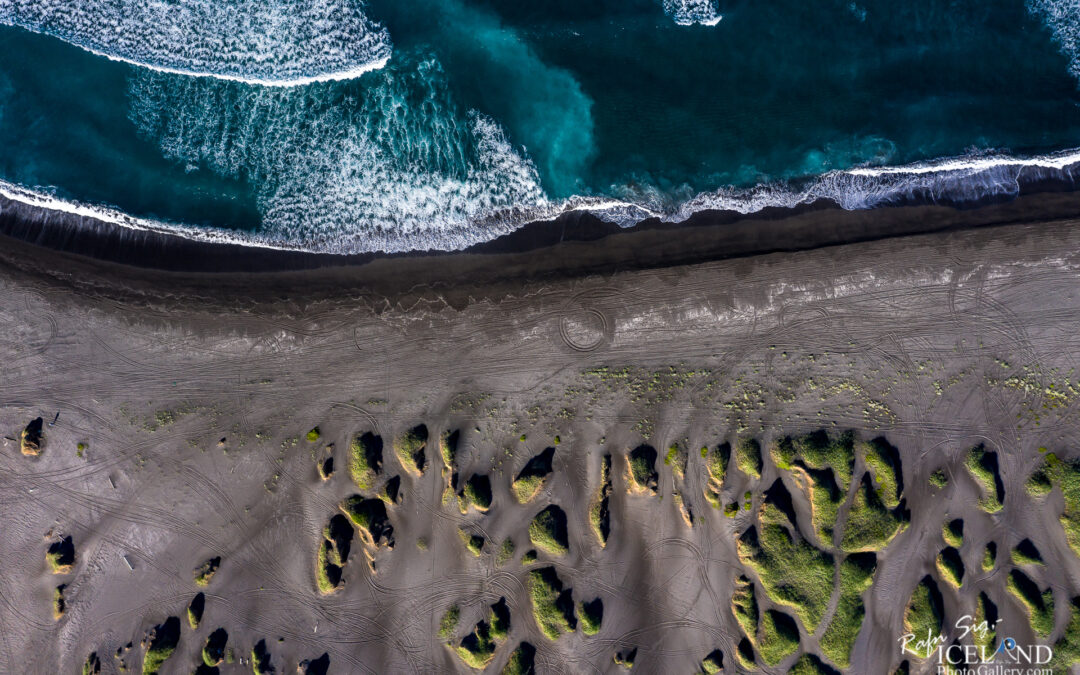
(690, 12)
(1063, 19)
(267, 42)
(390, 168)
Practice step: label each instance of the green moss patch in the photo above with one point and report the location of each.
(778, 637)
(365, 460)
(410, 448)
(547, 531)
(553, 606)
(531, 478)
(856, 576)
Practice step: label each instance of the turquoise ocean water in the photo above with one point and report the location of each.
(347, 126)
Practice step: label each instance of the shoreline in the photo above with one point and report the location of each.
(572, 246)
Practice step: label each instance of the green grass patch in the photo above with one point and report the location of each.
(92, 665)
(476, 493)
(939, 479)
(522, 661)
(924, 618)
(474, 543)
(207, 570)
(553, 607)
(643, 474)
(989, 556)
(410, 448)
(779, 636)
(313, 435)
(592, 616)
(744, 652)
(821, 451)
(625, 658)
(1038, 603)
(983, 466)
(870, 526)
(1066, 475)
(748, 457)
(950, 566)
(162, 643)
(213, 651)
(477, 649)
(953, 532)
(1067, 648)
(599, 510)
(59, 605)
(547, 531)
(195, 610)
(260, 659)
(370, 518)
(365, 460)
(791, 571)
(883, 462)
(506, 552)
(825, 500)
(529, 557)
(856, 575)
(60, 556)
(677, 458)
(532, 476)
(808, 664)
(744, 605)
(716, 463)
(713, 662)
(448, 623)
(986, 616)
(1026, 553)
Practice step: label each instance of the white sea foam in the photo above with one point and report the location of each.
(1063, 19)
(690, 12)
(419, 212)
(391, 170)
(268, 42)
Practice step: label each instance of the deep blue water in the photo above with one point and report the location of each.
(397, 124)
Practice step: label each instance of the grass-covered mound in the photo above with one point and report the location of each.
(332, 554)
(989, 556)
(791, 571)
(326, 468)
(531, 478)
(478, 647)
(677, 458)
(1066, 475)
(870, 525)
(716, 464)
(825, 498)
(195, 610)
(448, 450)
(953, 532)
(207, 570)
(600, 509)
(592, 616)
(924, 617)
(951, 566)
(744, 652)
(449, 621)
(365, 459)
(260, 659)
(986, 613)
(1038, 603)
(369, 516)
(161, 643)
(856, 576)
(92, 665)
(1026, 553)
(59, 603)
(476, 493)
(983, 466)
(713, 662)
(547, 531)
(883, 462)
(553, 607)
(819, 450)
(642, 463)
(319, 666)
(32, 438)
(314, 435)
(625, 658)
(391, 491)
(808, 664)
(778, 637)
(748, 457)
(522, 661)
(410, 448)
(474, 543)
(744, 605)
(60, 555)
(506, 552)
(213, 652)
(1067, 648)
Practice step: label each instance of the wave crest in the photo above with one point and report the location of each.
(690, 12)
(268, 42)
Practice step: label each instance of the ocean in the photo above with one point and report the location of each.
(393, 125)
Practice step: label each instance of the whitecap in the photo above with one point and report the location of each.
(1063, 19)
(268, 42)
(690, 12)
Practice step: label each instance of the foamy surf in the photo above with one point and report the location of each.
(691, 12)
(264, 42)
(959, 180)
